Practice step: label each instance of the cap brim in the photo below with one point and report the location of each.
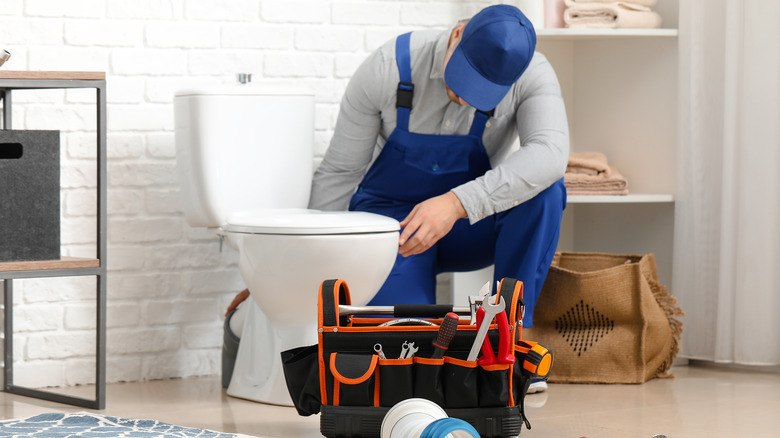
(471, 86)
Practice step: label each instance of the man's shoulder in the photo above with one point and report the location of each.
(426, 37)
(420, 40)
(538, 59)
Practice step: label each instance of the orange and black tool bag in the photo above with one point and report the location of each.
(344, 379)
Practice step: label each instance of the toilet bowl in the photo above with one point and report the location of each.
(283, 251)
(244, 157)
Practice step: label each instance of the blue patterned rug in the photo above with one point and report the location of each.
(84, 424)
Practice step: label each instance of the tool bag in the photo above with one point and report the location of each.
(345, 380)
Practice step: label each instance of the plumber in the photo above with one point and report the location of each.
(425, 135)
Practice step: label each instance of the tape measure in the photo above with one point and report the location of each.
(538, 361)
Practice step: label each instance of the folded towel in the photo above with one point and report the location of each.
(648, 3)
(611, 183)
(615, 15)
(589, 163)
(589, 173)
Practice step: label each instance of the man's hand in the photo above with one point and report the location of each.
(428, 222)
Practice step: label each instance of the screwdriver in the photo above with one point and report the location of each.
(445, 334)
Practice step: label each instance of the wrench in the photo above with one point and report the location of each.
(378, 349)
(476, 300)
(491, 310)
(412, 350)
(404, 350)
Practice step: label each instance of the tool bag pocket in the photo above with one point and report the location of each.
(493, 384)
(354, 378)
(396, 381)
(428, 379)
(459, 378)
(301, 371)
(467, 384)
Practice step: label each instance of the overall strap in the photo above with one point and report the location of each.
(478, 124)
(403, 96)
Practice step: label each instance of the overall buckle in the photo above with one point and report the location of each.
(404, 94)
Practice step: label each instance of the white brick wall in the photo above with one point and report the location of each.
(168, 284)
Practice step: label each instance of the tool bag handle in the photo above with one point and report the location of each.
(332, 293)
(405, 310)
(335, 292)
(512, 291)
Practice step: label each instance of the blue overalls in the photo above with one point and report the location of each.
(414, 167)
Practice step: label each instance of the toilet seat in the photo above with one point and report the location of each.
(308, 222)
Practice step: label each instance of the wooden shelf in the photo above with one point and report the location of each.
(44, 265)
(54, 75)
(583, 34)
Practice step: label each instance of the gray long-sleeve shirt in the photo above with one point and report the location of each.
(532, 111)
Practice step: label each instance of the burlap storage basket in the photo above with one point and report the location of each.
(606, 319)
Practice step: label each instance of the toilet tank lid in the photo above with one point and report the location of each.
(245, 90)
(313, 222)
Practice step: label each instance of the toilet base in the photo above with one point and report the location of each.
(257, 374)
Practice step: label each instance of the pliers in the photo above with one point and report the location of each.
(505, 353)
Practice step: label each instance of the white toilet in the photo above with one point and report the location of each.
(244, 157)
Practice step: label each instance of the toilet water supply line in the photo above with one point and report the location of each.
(421, 418)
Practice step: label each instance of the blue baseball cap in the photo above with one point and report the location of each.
(495, 49)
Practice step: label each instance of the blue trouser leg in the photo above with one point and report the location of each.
(521, 242)
(412, 279)
(527, 240)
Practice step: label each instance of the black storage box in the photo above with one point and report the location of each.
(29, 195)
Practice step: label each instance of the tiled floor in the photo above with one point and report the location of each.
(702, 401)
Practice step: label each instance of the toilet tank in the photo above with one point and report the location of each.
(242, 148)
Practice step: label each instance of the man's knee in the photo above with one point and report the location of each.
(544, 207)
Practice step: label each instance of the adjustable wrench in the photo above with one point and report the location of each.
(491, 310)
(475, 301)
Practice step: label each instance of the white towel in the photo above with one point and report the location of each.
(614, 15)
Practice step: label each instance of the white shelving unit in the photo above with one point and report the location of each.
(620, 89)
(572, 34)
(628, 199)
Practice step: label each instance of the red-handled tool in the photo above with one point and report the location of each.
(505, 350)
(487, 349)
(505, 354)
(447, 329)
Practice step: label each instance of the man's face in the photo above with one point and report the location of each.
(455, 36)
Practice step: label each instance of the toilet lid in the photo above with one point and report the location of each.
(309, 222)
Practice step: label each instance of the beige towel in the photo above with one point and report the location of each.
(588, 163)
(647, 3)
(581, 184)
(589, 173)
(614, 15)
